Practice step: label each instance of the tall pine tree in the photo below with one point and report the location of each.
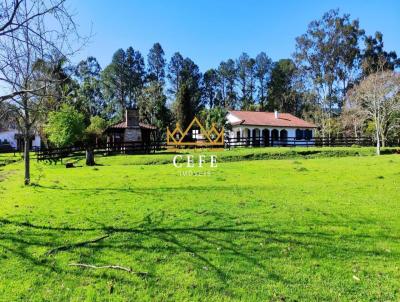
(156, 64)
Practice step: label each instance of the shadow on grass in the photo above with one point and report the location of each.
(142, 190)
(211, 246)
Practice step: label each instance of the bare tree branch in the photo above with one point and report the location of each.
(33, 33)
(9, 22)
(116, 267)
(20, 92)
(78, 244)
(377, 97)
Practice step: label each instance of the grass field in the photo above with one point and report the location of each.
(299, 229)
(8, 158)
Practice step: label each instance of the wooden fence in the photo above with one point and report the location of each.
(138, 147)
(134, 147)
(6, 148)
(294, 142)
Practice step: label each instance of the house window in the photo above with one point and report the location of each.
(238, 135)
(195, 133)
(308, 134)
(299, 134)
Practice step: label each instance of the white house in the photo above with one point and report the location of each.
(14, 138)
(269, 129)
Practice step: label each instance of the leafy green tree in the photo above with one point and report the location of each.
(190, 73)
(245, 67)
(282, 94)
(191, 77)
(183, 106)
(114, 83)
(123, 79)
(327, 55)
(175, 67)
(252, 82)
(210, 87)
(188, 100)
(393, 129)
(62, 87)
(227, 81)
(89, 94)
(135, 76)
(375, 58)
(153, 109)
(216, 116)
(65, 127)
(262, 73)
(156, 64)
(94, 132)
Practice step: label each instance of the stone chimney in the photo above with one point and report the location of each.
(276, 114)
(131, 117)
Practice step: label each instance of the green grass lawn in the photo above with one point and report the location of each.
(8, 158)
(301, 229)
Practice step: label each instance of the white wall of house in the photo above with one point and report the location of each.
(291, 134)
(36, 142)
(244, 133)
(9, 135)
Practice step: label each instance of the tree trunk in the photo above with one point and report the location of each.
(26, 161)
(90, 157)
(378, 148)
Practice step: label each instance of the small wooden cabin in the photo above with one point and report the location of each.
(129, 130)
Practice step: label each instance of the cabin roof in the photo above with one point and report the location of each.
(123, 125)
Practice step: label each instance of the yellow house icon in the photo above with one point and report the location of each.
(197, 134)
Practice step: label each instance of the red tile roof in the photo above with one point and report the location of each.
(147, 126)
(122, 125)
(258, 118)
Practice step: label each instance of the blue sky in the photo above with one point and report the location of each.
(211, 31)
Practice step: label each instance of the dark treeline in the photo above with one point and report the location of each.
(339, 77)
(332, 56)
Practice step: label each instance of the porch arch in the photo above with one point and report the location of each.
(265, 137)
(284, 136)
(246, 137)
(256, 137)
(274, 137)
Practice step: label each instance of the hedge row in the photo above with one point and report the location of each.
(243, 154)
